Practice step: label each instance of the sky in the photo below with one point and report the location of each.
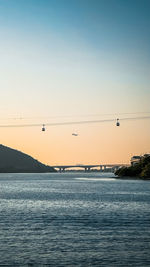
(73, 60)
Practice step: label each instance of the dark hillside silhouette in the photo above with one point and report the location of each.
(12, 160)
(140, 169)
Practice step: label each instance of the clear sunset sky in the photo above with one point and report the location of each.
(68, 60)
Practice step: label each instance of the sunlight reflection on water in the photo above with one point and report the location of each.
(95, 179)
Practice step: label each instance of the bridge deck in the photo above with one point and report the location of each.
(89, 166)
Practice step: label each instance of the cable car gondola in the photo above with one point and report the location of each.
(117, 123)
(43, 128)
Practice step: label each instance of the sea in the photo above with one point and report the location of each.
(74, 219)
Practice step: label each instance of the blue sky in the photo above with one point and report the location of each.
(97, 21)
(81, 50)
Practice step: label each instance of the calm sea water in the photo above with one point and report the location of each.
(74, 219)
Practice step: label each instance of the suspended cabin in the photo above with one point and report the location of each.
(117, 123)
(43, 128)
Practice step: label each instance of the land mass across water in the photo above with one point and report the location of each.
(14, 161)
(138, 170)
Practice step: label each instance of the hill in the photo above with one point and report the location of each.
(12, 160)
(140, 169)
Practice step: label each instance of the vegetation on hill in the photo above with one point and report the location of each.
(15, 161)
(140, 169)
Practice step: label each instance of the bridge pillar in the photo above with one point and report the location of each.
(87, 169)
(101, 168)
(112, 169)
(61, 169)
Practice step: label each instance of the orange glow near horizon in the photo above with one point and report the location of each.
(96, 143)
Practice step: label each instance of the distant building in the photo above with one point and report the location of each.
(135, 160)
(146, 155)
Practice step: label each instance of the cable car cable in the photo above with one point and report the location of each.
(71, 122)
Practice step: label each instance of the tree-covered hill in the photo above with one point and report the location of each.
(140, 169)
(12, 160)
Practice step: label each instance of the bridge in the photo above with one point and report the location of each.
(100, 167)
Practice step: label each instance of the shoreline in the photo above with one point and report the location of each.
(131, 178)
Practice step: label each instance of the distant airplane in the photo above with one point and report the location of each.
(74, 134)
